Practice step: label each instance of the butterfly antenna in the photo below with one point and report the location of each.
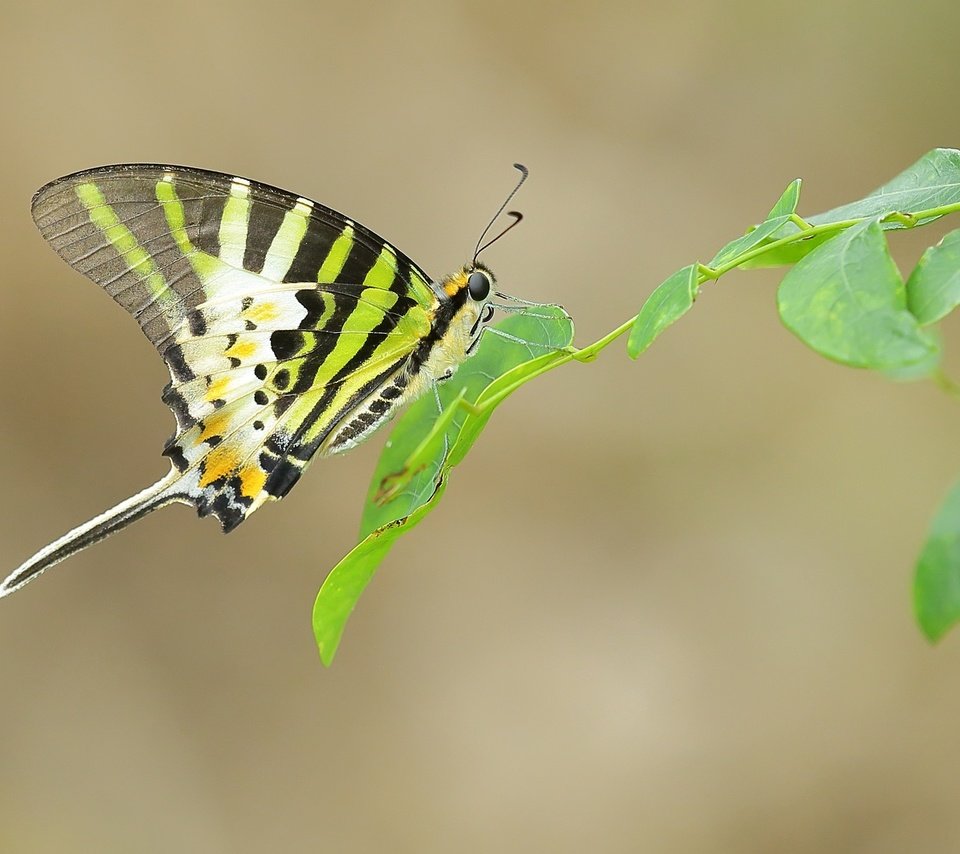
(126, 512)
(524, 172)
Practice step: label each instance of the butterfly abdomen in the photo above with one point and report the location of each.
(370, 415)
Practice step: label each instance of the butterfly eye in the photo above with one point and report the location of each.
(478, 285)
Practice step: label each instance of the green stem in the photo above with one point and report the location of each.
(590, 352)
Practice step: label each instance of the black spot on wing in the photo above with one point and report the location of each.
(196, 322)
(286, 343)
(282, 404)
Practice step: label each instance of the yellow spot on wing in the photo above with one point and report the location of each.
(217, 464)
(262, 313)
(242, 350)
(252, 479)
(218, 387)
(215, 425)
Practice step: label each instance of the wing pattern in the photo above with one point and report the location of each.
(286, 327)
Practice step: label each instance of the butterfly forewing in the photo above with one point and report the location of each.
(282, 322)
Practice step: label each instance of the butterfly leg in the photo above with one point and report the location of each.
(506, 335)
(446, 438)
(573, 351)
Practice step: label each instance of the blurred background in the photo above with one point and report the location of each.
(665, 605)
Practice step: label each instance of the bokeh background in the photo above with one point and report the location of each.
(665, 605)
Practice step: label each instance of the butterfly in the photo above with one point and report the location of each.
(290, 331)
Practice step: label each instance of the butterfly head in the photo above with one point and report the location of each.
(467, 303)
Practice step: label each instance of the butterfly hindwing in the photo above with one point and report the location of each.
(251, 413)
(285, 326)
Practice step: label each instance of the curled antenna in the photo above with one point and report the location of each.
(524, 172)
(517, 218)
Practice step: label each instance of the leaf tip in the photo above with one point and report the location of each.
(929, 620)
(327, 654)
(636, 344)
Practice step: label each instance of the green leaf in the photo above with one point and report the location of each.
(847, 301)
(933, 181)
(787, 203)
(773, 225)
(666, 305)
(413, 467)
(936, 585)
(933, 289)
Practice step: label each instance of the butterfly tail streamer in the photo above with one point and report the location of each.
(161, 493)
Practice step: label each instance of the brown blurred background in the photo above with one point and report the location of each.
(664, 606)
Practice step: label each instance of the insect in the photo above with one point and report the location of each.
(290, 331)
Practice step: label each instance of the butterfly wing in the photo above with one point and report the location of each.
(277, 317)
